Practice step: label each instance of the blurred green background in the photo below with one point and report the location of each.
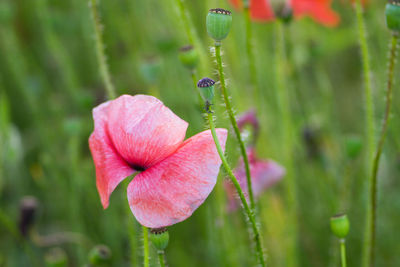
(49, 83)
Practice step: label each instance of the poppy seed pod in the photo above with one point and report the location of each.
(160, 238)
(189, 57)
(219, 22)
(206, 86)
(392, 13)
(100, 254)
(340, 225)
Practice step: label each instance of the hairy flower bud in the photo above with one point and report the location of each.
(219, 22)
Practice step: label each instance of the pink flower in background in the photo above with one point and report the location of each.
(139, 133)
(319, 10)
(264, 174)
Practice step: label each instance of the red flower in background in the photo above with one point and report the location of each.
(319, 10)
(138, 133)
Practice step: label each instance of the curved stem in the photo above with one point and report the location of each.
(287, 140)
(372, 208)
(104, 71)
(145, 246)
(161, 258)
(343, 252)
(235, 182)
(228, 106)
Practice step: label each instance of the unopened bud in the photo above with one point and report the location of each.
(189, 57)
(340, 225)
(392, 13)
(100, 254)
(219, 22)
(160, 238)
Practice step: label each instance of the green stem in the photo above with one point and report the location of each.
(235, 182)
(145, 246)
(104, 71)
(343, 252)
(372, 207)
(185, 20)
(250, 54)
(369, 107)
(287, 140)
(228, 106)
(161, 258)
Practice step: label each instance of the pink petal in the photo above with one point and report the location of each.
(172, 190)
(143, 130)
(264, 174)
(111, 169)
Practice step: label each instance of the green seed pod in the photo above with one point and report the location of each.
(206, 86)
(219, 22)
(353, 146)
(100, 255)
(150, 69)
(340, 225)
(189, 57)
(160, 238)
(392, 13)
(56, 257)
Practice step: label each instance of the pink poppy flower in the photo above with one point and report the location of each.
(264, 174)
(138, 133)
(319, 10)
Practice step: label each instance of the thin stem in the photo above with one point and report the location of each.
(369, 107)
(185, 20)
(343, 252)
(250, 54)
(372, 209)
(235, 182)
(161, 258)
(369, 119)
(228, 106)
(103, 67)
(287, 140)
(145, 246)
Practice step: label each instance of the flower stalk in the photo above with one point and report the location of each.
(249, 212)
(145, 246)
(232, 119)
(287, 139)
(103, 67)
(373, 190)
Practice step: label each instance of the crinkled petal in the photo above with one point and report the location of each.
(111, 169)
(143, 130)
(172, 190)
(260, 10)
(319, 10)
